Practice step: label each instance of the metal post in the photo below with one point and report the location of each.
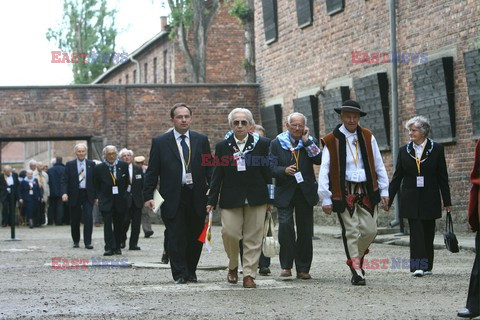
(12, 217)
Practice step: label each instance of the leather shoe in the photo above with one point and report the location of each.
(192, 279)
(122, 245)
(134, 248)
(264, 271)
(286, 273)
(108, 253)
(232, 276)
(358, 281)
(418, 273)
(148, 234)
(76, 245)
(88, 246)
(465, 313)
(304, 276)
(165, 258)
(180, 281)
(118, 251)
(248, 282)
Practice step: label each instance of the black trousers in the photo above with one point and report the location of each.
(422, 233)
(473, 298)
(299, 247)
(82, 211)
(113, 237)
(134, 215)
(55, 210)
(8, 207)
(183, 231)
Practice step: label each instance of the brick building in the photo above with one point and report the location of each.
(311, 55)
(161, 61)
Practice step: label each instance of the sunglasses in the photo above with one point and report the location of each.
(243, 122)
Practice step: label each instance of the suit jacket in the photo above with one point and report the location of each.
(421, 203)
(13, 190)
(165, 164)
(285, 185)
(235, 186)
(25, 191)
(135, 196)
(55, 175)
(104, 184)
(70, 182)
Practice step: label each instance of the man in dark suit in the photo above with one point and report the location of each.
(176, 158)
(295, 189)
(55, 204)
(78, 190)
(134, 200)
(111, 184)
(10, 195)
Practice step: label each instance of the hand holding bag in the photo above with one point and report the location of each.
(449, 237)
(270, 246)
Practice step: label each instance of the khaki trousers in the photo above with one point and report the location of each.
(243, 223)
(358, 231)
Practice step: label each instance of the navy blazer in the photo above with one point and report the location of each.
(55, 175)
(104, 186)
(135, 196)
(421, 203)
(235, 186)
(13, 190)
(285, 185)
(70, 182)
(165, 164)
(25, 191)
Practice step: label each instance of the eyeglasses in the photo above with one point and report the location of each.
(243, 122)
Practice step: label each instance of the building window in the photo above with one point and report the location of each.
(120, 81)
(165, 71)
(126, 79)
(335, 6)
(270, 20)
(304, 13)
(472, 68)
(146, 72)
(134, 76)
(154, 70)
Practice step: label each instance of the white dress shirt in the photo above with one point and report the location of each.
(419, 148)
(178, 139)
(241, 143)
(82, 165)
(351, 170)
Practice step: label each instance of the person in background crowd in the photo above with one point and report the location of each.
(134, 200)
(421, 173)
(30, 197)
(10, 194)
(472, 309)
(146, 220)
(351, 182)
(78, 190)
(55, 203)
(295, 190)
(42, 178)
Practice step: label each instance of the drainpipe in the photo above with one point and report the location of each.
(139, 69)
(395, 135)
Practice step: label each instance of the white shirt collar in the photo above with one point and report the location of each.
(421, 145)
(346, 132)
(177, 134)
(243, 141)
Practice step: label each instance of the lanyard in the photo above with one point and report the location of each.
(354, 156)
(113, 178)
(186, 163)
(419, 160)
(296, 155)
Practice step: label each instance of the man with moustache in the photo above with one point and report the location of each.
(175, 159)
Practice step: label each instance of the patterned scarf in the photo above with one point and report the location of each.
(286, 142)
(256, 137)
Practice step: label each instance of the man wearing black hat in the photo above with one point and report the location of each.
(351, 182)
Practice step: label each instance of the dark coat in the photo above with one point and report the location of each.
(4, 187)
(235, 186)
(70, 182)
(165, 164)
(55, 175)
(25, 195)
(104, 183)
(135, 196)
(285, 185)
(421, 203)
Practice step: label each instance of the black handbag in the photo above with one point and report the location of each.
(449, 237)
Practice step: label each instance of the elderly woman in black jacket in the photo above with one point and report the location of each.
(422, 168)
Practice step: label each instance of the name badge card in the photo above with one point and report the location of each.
(115, 190)
(30, 192)
(420, 182)
(299, 177)
(188, 178)
(138, 176)
(355, 176)
(129, 188)
(241, 166)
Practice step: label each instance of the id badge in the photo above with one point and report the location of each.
(138, 176)
(188, 178)
(115, 190)
(30, 192)
(299, 177)
(129, 188)
(8, 190)
(355, 176)
(241, 166)
(420, 182)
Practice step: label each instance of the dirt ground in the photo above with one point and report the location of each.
(144, 289)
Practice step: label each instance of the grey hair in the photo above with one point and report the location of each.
(33, 161)
(420, 122)
(29, 171)
(247, 112)
(125, 150)
(293, 114)
(78, 145)
(104, 151)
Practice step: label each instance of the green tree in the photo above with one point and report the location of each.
(88, 27)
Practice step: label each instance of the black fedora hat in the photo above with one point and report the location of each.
(351, 106)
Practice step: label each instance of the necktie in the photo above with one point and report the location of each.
(186, 157)
(82, 173)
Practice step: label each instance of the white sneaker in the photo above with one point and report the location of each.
(427, 273)
(418, 273)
